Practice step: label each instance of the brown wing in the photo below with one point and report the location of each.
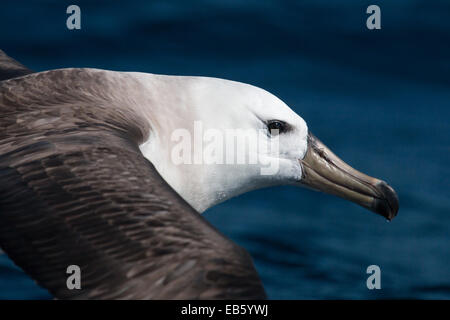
(89, 198)
(10, 68)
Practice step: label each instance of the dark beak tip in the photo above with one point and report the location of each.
(388, 205)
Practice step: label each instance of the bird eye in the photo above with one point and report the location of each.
(276, 125)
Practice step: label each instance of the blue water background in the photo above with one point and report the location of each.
(379, 99)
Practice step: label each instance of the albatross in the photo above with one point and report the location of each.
(87, 179)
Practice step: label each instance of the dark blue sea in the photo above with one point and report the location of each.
(380, 99)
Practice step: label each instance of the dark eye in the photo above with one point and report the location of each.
(276, 125)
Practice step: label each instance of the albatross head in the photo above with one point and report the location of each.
(213, 139)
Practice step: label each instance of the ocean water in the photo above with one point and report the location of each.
(379, 99)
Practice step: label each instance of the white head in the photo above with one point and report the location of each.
(213, 139)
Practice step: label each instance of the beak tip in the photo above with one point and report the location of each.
(388, 204)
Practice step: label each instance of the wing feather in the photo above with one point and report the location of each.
(10, 68)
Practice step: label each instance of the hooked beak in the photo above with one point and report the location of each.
(324, 171)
